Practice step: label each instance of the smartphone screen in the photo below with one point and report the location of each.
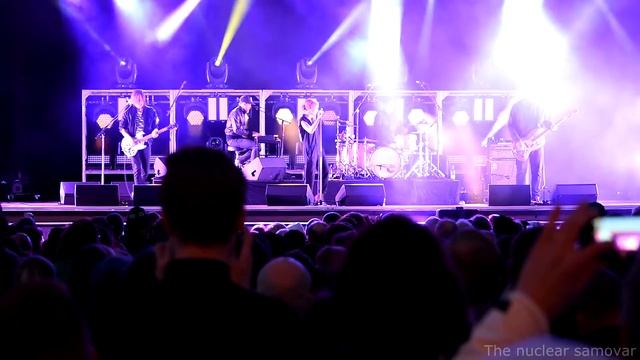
(623, 231)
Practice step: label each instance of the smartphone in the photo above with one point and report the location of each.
(623, 231)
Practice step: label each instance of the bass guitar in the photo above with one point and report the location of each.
(130, 146)
(534, 141)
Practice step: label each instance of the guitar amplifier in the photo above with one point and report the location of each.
(501, 150)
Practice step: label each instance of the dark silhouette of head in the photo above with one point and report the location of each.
(396, 277)
(203, 196)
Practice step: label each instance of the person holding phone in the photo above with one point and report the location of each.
(311, 137)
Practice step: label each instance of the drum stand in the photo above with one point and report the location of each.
(424, 166)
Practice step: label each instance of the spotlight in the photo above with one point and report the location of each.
(126, 73)
(331, 112)
(306, 73)
(217, 74)
(370, 117)
(283, 112)
(104, 114)
(215, 143)
(195, 112)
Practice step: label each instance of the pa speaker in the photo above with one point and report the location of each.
(68, 191)
(509, 195)
(97, 195)
(288, 195)
(146, 195)
(575, 194)
(125, 188)
(160, 166)
(265, 169)
(361, 195)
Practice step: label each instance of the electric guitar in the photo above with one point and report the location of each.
(130, 146)
(534, 141)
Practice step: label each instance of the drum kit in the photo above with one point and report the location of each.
(409, 155)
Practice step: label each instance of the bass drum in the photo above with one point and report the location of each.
(385, 163)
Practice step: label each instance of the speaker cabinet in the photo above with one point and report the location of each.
(68, 191)
(288, 195)
(146, 195)
(265, 169)
(160, 167)
(575, 194)
(503, 171)
(509, 195)
(97, 195)
(361, 195)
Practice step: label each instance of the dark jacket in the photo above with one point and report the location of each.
(236, 127)
(149, 116)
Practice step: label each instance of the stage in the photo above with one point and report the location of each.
(54, 214)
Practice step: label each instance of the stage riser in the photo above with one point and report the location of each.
(398, 192)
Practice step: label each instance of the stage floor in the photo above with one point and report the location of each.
(52, 214)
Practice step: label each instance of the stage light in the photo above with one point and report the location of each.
(217, 75)
(284, 115)
(104, 114)
(195, 112)
(370, 117)
(172, 23)
(284, 111)
(238, 13)
(215, 143)
(306, 73)
(460, 118)
(126, 73)
(331, 112)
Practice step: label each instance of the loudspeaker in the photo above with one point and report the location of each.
(160, 166)
(361, 195)
(68, 191)
(97, 195)
(288, 195)
(146, 195)
(575, 194)
(509, 195)
(124, 190)
(265, 169)
(503, 171)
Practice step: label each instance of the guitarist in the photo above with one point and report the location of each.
(138, 120)
(527, 118)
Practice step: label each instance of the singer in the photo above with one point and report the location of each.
(311, 138)
(139, 126)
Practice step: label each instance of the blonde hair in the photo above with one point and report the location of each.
(138, 93)
(308, 104)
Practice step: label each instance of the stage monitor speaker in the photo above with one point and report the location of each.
(160, 166)
(68, 191)
(265, 169)
(288, 195)
(125, 188)
(575, 194)
(509, 195)
(361, 195)
(146, 195)
(97, 195)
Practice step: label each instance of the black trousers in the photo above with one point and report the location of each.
(140, 165)
(247, 149)
(311, 167)
(535, 164)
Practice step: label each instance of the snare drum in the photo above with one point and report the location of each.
(385, 162)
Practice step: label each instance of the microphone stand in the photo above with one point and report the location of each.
(438, 110)
(320, 171)
(356, 114)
